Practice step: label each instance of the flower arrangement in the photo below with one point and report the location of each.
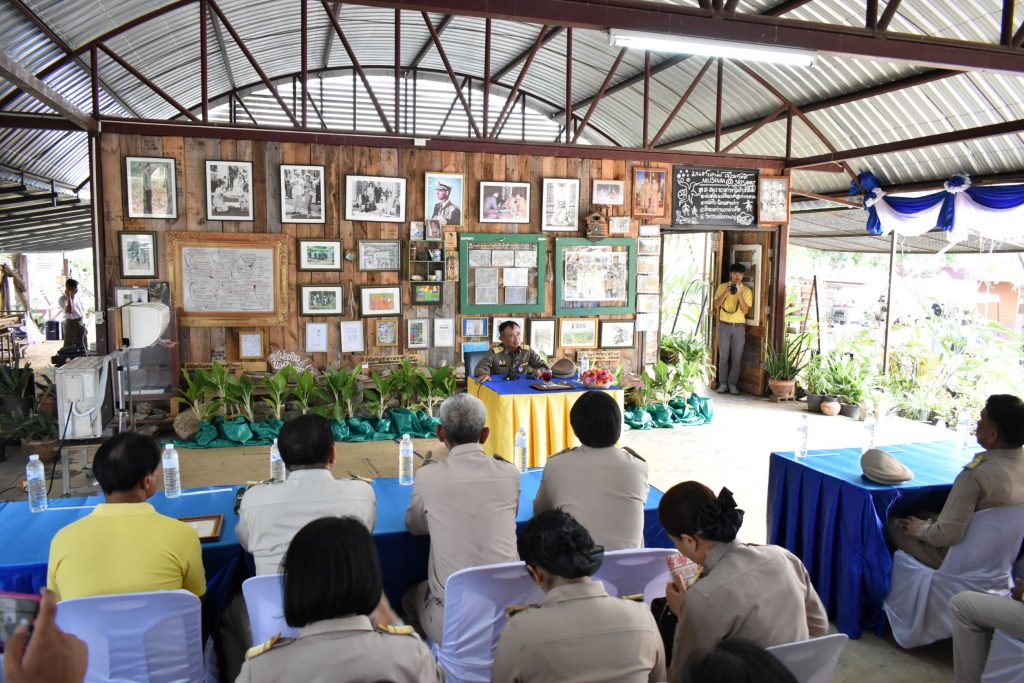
(597, 378)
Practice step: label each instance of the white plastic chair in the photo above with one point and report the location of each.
(627, 572)
(145, 637)
(813, 660)
(918, 600)
(264, 601)
(1005, 663)
(474, 615)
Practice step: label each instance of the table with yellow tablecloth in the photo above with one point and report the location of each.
(545, 414)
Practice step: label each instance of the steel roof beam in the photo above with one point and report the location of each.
(427, 44)
(14, 119)
(436, 37)
(329, 39)
(522, 56)
(147, 82)
(16, 73)
(356, 65)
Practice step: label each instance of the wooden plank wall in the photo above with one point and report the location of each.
(197, 343)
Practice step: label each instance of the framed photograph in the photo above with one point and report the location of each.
(380, 300)
(649, 246)
(418, 333)
(228, 191)
(502, 202)
(150, 184)
(750, 256)
(617, 334)
(443, 199)
(433, 229)
(352, 336)
(444, 332)
(374, 198)
(380, 254)
(474, 327)
(648, 284)
(426, 293)
(773, 199)
(618, 225)
(561, 201)
(317, 255)
(577, 333)
(207, 527)
(251, 345)
(316, 337)
(321, 299)
(608, 192)
(302, 194)
(130, 295)
(595, 278)
(138, 255)
(386, 332)
(649, 192)
(648, 265)
(416, 230)
(648, 303)
(496, 323)
(542, 335)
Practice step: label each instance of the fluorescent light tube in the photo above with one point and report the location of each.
(751, 52)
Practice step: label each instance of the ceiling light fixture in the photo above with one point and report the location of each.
(727, 49)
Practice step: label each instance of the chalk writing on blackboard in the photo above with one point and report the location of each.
(713, 196)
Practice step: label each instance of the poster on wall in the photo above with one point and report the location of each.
(713, 196)
(773, 199)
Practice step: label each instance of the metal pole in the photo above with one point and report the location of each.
(204, 61)
(647, 93)
(568, 84)
(888, 308)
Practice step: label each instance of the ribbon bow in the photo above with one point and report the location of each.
(720, 518)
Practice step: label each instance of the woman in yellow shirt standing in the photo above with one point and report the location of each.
(732, 302)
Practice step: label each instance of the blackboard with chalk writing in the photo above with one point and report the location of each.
(713, 196)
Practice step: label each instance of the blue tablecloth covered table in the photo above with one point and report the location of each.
(823, 510)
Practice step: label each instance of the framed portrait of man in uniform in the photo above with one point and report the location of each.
(444, 198)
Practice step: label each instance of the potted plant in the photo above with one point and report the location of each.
(16, 388)
(783, 363)
(848, 377)
(691, 358)
(815, 381)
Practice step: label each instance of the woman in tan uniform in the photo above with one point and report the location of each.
(332, 582)
(758, 592)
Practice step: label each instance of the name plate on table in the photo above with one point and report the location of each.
(601, 359)
(554, 386)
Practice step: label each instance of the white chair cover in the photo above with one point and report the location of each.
(474, 614)
(814, 660)
(918, 600)
(627, 572)
(1005, 663)
(655, 588)
(264, 601)
(146, 637)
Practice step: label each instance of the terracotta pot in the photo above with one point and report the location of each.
(782, 388)
(830, 406)
(47, 450)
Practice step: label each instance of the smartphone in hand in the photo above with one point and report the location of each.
(14, 609)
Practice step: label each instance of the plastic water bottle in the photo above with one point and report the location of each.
(36, 478)
(584, 363)
(522, 460)
(870, 431)
(405, 461)
(277, 473)
(803, 431)
(963, 430)
(172, 476)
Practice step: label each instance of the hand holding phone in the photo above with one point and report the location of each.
(51, 655)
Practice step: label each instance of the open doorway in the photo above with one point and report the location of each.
(685, 284)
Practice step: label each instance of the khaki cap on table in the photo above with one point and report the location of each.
(882, 468)
(563, 368)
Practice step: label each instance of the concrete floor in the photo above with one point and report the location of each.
(731, 451)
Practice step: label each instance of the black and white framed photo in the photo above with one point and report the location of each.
(321, 299)
(542, 335)
(374, 198)
(418, 330)
(496, 323)
(138, 255)
(380, 254)
(443, 198)
(150, 184)
(502, 202)
(617, 334)
(228, 191)
(316, 337)
(380, 300)
(560, 206)
(302, 194)
(608, 192)
(315, 255)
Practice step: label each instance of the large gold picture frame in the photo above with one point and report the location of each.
(221, 279)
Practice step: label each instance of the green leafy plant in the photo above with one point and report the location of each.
(406, 385)
(339, 393)
(16, 381)
(814, 376)
(848, 377)
(218, 382)
(785, 362)
(36, 425)
(241, 395)
(436, 384)
(690, 357)
(302, 394)
(197, 394)
(378, 397)
(276, 386)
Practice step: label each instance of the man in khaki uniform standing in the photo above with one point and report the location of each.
(467, 503)
(511, 357)
(995, 478)
(732, 301)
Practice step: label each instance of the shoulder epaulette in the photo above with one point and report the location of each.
(633, 453)
(564, 450)
(635, 597)
(978, 459)
(396, 630)
(501, 459)
(498, 349)
(525, 346)
(275, 641)
(513, 610)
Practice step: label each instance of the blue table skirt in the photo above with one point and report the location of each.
(26, 536)
(825, 512)
(499, 385)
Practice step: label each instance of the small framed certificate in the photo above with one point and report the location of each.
(251, 345)
(208, 526)
(316, 337)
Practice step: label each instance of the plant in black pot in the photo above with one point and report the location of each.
(815, 378)
(848, 376)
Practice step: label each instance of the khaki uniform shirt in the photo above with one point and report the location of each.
(467, 503)
(497, 361)
(580, 633)
(343, 650)
(605, 489)
(758, 592)
(271, 514)
(997, 480)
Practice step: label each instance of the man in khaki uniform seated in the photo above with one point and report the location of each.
(975, 617)
(603, 487)
(995, 478)
(578, 632)
(467, 503)
(511, 357)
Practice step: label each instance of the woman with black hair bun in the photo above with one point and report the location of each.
(758, 592)
(578, 632)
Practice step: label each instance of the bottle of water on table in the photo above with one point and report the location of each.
(963, 430)
(870, 431)
(522, 456)
(803, 431)
(35, 475)
(584, 363)
(277, 473)
(172, 476)
(405, 461)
